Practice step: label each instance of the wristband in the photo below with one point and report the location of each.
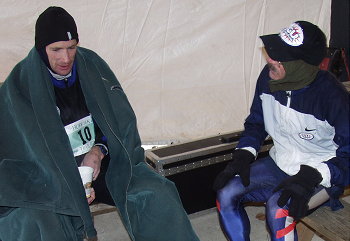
(103, 148)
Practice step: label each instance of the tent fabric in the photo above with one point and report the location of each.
(188, 67)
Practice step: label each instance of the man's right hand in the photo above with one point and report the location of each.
(240, 165)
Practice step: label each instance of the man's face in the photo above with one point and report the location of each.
(61, 56)
(277, 70)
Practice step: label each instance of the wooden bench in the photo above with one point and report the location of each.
(327, 224)
(101, 208)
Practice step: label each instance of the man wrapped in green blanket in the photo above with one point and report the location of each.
(62, 107)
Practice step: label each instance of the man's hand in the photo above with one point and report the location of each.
(93, 159)
(92, 196)
(240, 165)
(298, 189)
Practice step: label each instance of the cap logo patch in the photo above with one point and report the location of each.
(293, 35)
(69, 35)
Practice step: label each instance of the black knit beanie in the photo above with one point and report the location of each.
(53, 25)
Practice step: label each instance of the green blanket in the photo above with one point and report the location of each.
(37, 166)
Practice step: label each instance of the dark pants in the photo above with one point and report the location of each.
(100, 187)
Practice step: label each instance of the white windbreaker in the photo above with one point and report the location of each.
(309, 126)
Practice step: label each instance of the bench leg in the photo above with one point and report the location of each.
(304, 233)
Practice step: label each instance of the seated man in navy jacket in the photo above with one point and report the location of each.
(306, 113)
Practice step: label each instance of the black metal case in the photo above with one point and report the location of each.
(193, 166)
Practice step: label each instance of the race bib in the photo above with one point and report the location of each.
(81, 135)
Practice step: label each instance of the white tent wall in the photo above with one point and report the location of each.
(189, 67)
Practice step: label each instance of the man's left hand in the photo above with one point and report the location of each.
(93, 159)
(298, 189)
(92, 196)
